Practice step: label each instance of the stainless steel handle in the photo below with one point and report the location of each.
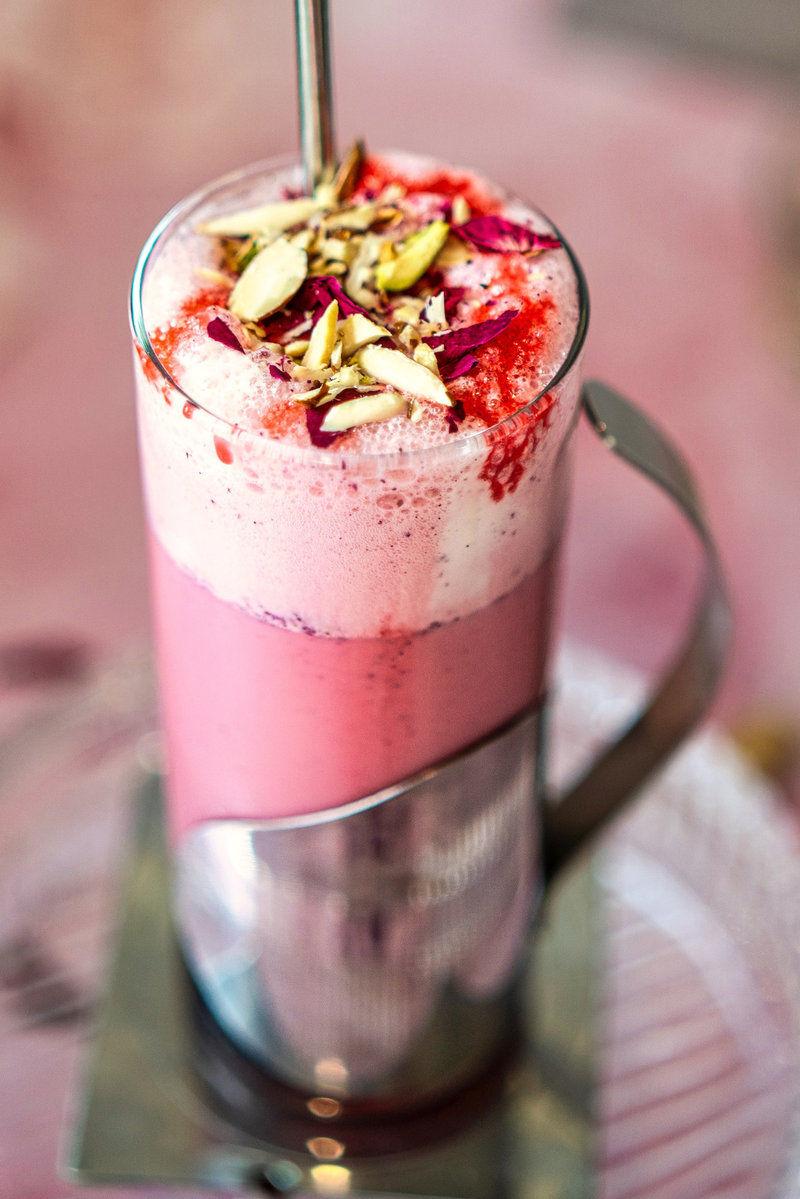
(684, 694)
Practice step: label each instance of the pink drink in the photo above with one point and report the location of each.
(332, 619)
(320, 720)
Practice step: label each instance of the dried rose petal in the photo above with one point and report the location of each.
(452, 298)
(317, 293)
(458, 341)
(496, 234)
(314, 419)
(453, 368)
(279, 323)
(454, 355)
(277, 373)
(217, 330)
(455, 415)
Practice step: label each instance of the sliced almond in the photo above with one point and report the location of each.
(358, 218)
(298, 347)
(337, 354)
(266, 283)
(358, 330)
(364, 410)
(424, 355)
(392, 193)
(415, 412)
(460, 211)
(396, 370)
(265, 220)
(416, 255)
(323, 338)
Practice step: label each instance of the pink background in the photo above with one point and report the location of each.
(677, 182)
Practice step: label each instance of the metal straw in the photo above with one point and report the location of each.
(314, 91)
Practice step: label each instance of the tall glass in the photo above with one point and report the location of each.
(329, 626)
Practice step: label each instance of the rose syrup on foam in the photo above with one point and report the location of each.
(264, 719)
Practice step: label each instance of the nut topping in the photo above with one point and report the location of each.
(266, 283)
(364, 410)
(267, 220)
(395, 369)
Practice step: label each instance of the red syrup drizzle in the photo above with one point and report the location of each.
(223, 450)
(192, 317)
(376, 175)
(487, 392)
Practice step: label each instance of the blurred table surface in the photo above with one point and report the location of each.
(677, 181)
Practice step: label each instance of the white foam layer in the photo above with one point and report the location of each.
(397, 530)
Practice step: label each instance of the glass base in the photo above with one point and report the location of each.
(168, 1099)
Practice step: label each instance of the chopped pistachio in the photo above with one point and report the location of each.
(416, 255)
(345, 376)
(396, 370)
(337, 249)
(387, 252)
(244, 254)
(323, 338)
(272, 278)
(316, 394)
(319, 374)
(266, 220)
(388, 216)
(408, 312)
(409, 336)
(324, 194)
(305, 239)
(364, 410)
(357, 331)
(321, 266)
(361, 271)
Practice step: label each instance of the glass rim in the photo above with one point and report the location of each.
(461, 443)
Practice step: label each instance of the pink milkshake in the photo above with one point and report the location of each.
(354, 414)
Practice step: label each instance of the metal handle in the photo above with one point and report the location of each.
(689, 685)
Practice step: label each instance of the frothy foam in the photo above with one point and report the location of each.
(398, 525)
